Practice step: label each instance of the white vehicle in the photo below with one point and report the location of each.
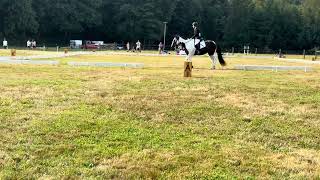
(75, 44)
(182, 52)
(99, 43)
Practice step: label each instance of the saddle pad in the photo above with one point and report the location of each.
(202, 44)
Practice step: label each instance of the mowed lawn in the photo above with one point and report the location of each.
(61, 122)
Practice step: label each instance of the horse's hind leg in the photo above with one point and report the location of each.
(214, 61)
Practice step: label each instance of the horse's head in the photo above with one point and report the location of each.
(175, 41)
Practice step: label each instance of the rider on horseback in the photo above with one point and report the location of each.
(196, 35)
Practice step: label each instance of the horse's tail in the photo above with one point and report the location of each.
(220, 57)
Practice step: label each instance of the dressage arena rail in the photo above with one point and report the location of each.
(298, 61)
(148, 54)
(53, 56)
(91, 64)
(130, 54)
(107, 64)
(61, 55)
(273, 68)
(30, 62)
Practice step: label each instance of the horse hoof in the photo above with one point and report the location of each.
(213, 68)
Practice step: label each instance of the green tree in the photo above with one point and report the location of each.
(286, 24)
(310, 35)
(182, 17)
(64, 19)
(237, 25)
(19, 19)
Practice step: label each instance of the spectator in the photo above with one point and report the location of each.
(138, 46)
(133, 49)
(33, 44)
(28, 44)
(5, 43)
(128, 47)
(160, 48)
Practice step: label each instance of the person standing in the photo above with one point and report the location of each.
(32, 44)
(160, 48)
(28, 44)
(128, 47)
(138, 46)
(5, 43)
(133, 48)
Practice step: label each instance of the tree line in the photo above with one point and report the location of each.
(267, 24)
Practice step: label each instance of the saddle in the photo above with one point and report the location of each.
(199, 44)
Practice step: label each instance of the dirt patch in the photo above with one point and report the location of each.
(146, 163)
(302, 162)
(253, 106)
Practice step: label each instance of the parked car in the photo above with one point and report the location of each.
(120, 47)
(75, 44)
(90, 45)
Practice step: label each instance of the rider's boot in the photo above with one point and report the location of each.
(197, 46)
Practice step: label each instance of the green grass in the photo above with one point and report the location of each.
(80, 123)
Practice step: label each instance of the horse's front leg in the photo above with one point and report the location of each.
(190, 55)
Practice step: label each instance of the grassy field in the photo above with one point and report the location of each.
(52, 51)
(7, 52)
(60, 122)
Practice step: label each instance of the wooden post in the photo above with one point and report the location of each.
(316, 54)
(13, 52)
(256, 51)
(232, 50)
(304, 54)
(187, 69)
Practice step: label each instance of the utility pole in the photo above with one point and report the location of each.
(164, 35)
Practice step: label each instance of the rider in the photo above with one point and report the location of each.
(196, 35)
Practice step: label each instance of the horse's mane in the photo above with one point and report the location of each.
(188, 39)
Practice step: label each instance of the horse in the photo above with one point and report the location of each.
(206, 47)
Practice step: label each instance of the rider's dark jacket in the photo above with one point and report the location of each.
(196, 33)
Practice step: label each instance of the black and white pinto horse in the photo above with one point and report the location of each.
(206, 47)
